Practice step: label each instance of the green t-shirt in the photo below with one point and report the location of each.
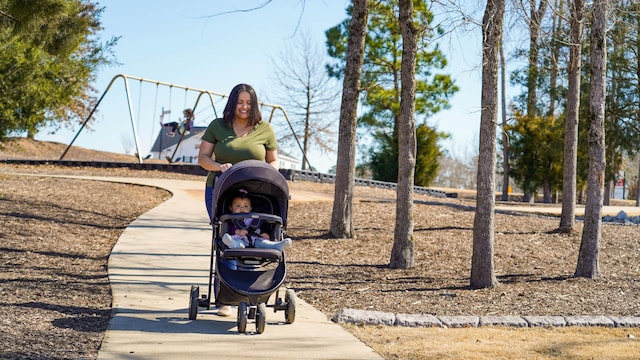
(232, 149)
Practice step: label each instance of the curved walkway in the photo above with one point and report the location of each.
(166, 250)
(151, 269)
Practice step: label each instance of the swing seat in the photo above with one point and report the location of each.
(184, 130)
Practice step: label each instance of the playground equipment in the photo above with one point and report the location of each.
(210, 95)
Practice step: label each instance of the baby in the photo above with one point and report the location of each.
(240, 236)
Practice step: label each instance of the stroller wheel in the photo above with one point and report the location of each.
(193, 302)
(242, 317)
(261, 318)
(290, 311)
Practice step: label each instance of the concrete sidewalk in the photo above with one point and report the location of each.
(151, 269)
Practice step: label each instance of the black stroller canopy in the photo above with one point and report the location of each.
(256, 177)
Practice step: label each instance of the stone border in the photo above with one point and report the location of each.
(367, 317)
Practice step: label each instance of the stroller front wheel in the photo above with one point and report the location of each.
(242, 317)
(290, 310)
(261, 318)
(193, 302)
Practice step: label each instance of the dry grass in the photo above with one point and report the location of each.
(499, 343)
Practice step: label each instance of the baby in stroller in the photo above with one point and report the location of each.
(246, 232)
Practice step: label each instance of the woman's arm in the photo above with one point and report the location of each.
(271, 158)
(205, 160)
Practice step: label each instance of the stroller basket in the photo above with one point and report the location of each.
(257, 284)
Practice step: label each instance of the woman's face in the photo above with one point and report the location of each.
(243, 107)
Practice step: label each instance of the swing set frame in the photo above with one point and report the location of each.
(201, 93)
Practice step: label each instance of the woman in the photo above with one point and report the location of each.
(239, 135)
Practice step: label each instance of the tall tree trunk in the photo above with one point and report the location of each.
(342, 215)
(546, 190)
(535, 19)
(637, 50)
(534, 34)
(588, 258)
(307, 134)
(547, 194)
(402, 251)
(505, 137)
(638, 184)
(555, 56)
(569, 178)
(482, 271)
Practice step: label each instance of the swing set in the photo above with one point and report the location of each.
(184, 124)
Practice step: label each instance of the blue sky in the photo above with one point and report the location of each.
(179, 42)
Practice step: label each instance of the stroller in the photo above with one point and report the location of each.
(248, 277)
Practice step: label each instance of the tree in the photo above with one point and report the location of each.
(531, 109)
(622, 120)
(384, 162)
(308, 94)
(342, 213)
(506, 170)
(570, 153)
(381, 75)
(50, 54)
(531, 164)
(535, 20)
(482, 269)
(588, 258)
(402, 250)
(458, 171)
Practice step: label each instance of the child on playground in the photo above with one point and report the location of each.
(241, 237)
(183, 127)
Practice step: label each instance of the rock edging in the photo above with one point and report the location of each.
(368, 317)
(620, 218)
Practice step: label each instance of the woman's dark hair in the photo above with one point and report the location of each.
(229, 111)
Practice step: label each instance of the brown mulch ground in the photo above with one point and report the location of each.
(57, 235)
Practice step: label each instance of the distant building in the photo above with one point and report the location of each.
(165, 148)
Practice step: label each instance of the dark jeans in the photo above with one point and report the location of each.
(208, 201)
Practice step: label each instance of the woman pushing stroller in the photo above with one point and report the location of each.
(239, 135)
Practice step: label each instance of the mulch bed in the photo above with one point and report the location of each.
(57, 235)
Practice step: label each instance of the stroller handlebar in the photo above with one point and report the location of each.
(270, 218)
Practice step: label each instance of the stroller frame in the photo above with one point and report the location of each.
(248, 277)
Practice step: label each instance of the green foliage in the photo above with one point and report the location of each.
(622, 120)
(49, 55)
(428, 154)
(535, 155)
(384, 161)
(381, 81)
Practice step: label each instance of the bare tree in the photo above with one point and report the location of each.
(342, 214)
(535, 22)
(308, 94)
(588, 258)
(402, 251)
(505, 137)
(569, 177)
(482, 270)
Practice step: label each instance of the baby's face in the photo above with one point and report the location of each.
(240, 205)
